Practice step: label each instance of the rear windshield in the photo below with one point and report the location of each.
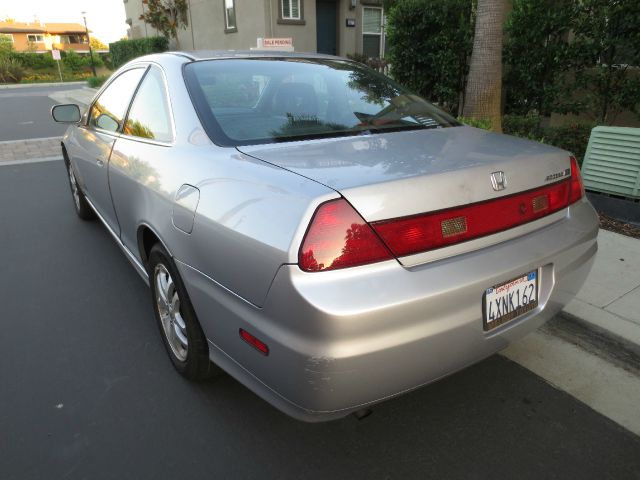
(265, 100)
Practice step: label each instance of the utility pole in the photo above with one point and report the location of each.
(93, 67)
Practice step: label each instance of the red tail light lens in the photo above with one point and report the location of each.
(338, 237)
(420, 233)
(577, 187)
(254, 342)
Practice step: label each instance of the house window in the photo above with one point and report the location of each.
(66, 39)
(230, 15)
(6, 37)
(291, 10)
(35, 38)
(372, 32)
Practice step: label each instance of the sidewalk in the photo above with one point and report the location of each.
(591, 350)
(80, 96)
(42, 149)
(18, 151)
(610, 298)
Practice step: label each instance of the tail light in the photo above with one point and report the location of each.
(577, 187)
(420, 233)
(338, 237)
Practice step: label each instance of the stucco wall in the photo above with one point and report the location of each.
(207, 28)
(21, 44)
(255, 18)
(138, 28)
(347, 36)
(304, 36)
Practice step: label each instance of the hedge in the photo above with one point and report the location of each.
(573, 137)
(429, 42)
(125, 50)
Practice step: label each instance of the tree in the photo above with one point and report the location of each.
(606, 49)
(6, 45)
(96, 44)
(537, 55)
(166, 16)
(484, 83)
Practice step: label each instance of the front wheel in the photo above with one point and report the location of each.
(83, 209)
(181, 333)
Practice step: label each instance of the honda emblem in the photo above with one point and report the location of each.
(498, 181)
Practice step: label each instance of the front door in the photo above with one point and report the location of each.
(91, 149)
(326, 26)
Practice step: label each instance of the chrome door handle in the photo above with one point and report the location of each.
(100, 163)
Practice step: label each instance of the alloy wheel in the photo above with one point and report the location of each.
(168, 305)
(74, 187)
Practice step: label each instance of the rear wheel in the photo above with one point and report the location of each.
(83, 210)
(181, 333)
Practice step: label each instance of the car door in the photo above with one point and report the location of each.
(141, 171)
(94, 141)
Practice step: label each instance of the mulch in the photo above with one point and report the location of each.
(613, 225)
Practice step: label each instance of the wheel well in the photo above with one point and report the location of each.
(64, 153)
(146, 240)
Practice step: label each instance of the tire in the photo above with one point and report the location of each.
(83, 209)
(181, 333)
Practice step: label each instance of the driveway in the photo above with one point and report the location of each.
(88, 392)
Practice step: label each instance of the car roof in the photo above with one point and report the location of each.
(197, 55)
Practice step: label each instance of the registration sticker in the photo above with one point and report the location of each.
(506, 301)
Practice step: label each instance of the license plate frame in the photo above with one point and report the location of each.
(492, 294)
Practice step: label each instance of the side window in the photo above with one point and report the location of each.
(149, 116)
(109, 109)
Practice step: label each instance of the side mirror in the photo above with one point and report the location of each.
(68, 113)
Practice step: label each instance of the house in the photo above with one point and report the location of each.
(337, 27)
(43, 37)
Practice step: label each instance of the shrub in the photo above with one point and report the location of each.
(106, 60)
(36, 61)
(605, 47)
(429, 42)
(96, 82)
(573, 137)
(537, 54)
(11, 70)
(125, 50)
(97, 61)
(73, 61)
(40, 77)
(483, 123)
(526, 126)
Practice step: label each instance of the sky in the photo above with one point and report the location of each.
(105, 18)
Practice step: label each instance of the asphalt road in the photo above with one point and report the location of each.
(87, 390)
(25, 113)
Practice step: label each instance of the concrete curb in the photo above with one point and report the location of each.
(601, 319)
(600, 340)
(29, 160)
(33, 85)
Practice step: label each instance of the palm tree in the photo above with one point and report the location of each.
(484, 85)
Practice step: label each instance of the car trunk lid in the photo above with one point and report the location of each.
(403, 174)
(406, 173)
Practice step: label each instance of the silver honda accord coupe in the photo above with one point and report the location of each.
(319, 232)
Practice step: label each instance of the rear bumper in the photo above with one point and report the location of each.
(341, 340)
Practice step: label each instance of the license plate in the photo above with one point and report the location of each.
(504, 302)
